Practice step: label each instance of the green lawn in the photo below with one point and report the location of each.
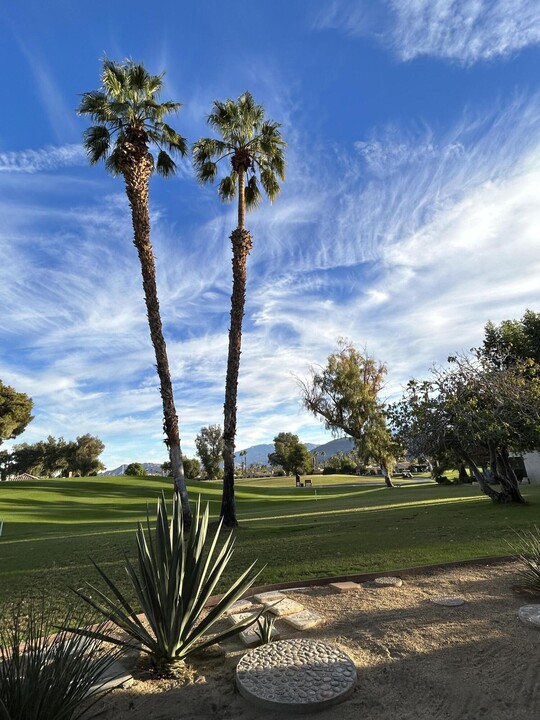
(53, 527)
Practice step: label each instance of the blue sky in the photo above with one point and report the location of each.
(410, 215)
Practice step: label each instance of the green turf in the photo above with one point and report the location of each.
(53, 527)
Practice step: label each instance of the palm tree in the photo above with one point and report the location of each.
(254, 147)
(128, 119)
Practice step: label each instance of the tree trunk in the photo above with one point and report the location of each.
(508, 477)
(386, 474)
(137, 168)
(241, 243)
(463, 477)
(480, 479)
(241, 246)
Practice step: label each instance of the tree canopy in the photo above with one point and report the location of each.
(290, 454)
(345, 396)
(209, 445)
(56, 457)
(475, 412)
(135, 469)
(15, 412)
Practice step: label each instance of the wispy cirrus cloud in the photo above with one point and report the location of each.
(43, 159)
(458, 30)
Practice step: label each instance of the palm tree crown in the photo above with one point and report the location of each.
(253, 145)
(127, 115)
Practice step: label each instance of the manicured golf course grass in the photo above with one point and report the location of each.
(54, 527)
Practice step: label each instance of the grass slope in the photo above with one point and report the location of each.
(53, 527)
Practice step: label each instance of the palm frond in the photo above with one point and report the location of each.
(270, 184)
(252, 193)
(227, 188)
(165, 165)
(128, 97)
(97, 143)
(245, 134)
(113, 162)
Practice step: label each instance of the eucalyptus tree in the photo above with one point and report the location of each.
(253, 146)
(344, 396)
(128, 126)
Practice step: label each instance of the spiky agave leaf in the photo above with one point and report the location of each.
(50, 677)
(173, 578)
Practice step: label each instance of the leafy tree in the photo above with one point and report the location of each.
(290, 454)
(342, 463)
(87, 451)
(128, 119)
(135, 469)
(192, 468)
(513, 340)
(470, 410)
(209, 444)
(15, 412)
(344, 395)
(26, 458)
(254, 147)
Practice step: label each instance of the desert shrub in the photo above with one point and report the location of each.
(527, 553)
(50, 677)
(174, 576)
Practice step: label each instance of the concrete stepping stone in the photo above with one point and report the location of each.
(114, 677)
(285, 607)
(267, 598)
(303, 620)
(241, 606)
(345, 586)
(235, 618)
(296, 676)
(530, 615)
(388, 581)
(448, 600)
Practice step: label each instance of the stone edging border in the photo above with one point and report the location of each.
(364, 577)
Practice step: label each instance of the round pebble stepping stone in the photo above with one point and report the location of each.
(389, 581)
(530, 615)
(298, 676)
(448, 600)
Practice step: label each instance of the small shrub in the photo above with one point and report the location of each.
(175, 574)
(527, 553)
(49, 677)
(265, 631)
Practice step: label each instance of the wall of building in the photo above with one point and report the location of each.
(532, 465)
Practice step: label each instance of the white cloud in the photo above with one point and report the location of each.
(465, 31)
(50, 158)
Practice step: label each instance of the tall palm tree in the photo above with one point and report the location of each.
(128, 121)
(254, 148)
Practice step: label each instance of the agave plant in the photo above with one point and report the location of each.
(527, 553)
(265, 629)
(174, 577)
(43, 677)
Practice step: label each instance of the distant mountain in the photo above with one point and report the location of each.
(258, 454)
(151, 469)
(344, 445)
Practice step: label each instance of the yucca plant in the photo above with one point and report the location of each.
(527, 553)
(44, 677)
(265, 628)
(174, 577)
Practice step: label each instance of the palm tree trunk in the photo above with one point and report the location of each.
(136, 175)
(241, 246)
